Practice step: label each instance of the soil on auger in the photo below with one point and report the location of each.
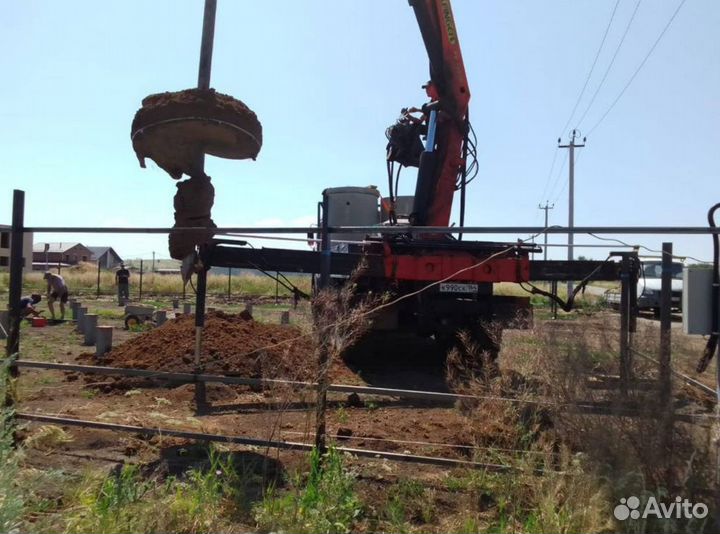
(174, 128)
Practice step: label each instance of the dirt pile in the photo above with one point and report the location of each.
(232, 345)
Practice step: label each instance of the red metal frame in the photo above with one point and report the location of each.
(439, 266)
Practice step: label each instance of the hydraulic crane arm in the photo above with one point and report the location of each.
(443, 160)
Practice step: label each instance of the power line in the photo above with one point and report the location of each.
(642, 63)
(549, 176)
(612, 61)
(592, 68)
(557, 178)
(579, 98)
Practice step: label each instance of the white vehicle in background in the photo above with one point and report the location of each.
(648, 287)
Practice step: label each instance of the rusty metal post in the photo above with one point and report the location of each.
(325, 251)
(666, 401)
(206, 44)
(229, 282)
(141, 277)
(321, 334)
(665, 325)
(12, 347)
(633, 280)
(97, 294)
(625, 366)
(200, 394)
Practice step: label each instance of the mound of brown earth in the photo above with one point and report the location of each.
(233, 344)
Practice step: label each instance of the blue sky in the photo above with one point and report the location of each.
(327, 77)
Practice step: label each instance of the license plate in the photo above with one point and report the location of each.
(458, 288)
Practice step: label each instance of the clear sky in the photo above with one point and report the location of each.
(327, 77)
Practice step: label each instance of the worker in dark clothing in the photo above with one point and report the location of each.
(27, 306)
(122, 280)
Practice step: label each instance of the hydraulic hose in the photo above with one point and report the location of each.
(712, 343)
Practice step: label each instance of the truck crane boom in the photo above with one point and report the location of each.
(444, 157)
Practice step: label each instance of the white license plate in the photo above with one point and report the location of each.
(458, 288)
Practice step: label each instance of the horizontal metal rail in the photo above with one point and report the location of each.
(687, 379)
(660, 230)
(587, 408)
(256, 442)
(190, 378)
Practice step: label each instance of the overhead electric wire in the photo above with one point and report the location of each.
(549, 176)
(655, 251)
(640, 66)
(579, 98)
(557, 178)
(592, 68)
(612, 61)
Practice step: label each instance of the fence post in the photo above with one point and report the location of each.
(665, 358)
(277, 287)
(97, 295)
(141, 275)
(322, 333)
(625, 366)
(229, 282)
(12, 348)
(200, 396)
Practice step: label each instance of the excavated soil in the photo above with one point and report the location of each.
(174, 128)
(233, 344)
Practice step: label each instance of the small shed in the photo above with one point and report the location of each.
(106, 256)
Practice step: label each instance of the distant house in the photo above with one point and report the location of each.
(5, 239)
(106, 256)
(60, 253)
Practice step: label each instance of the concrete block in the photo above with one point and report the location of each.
(160, 317)
(285, 317)
(103, 340)
(89, 328)
(176, 304)
(187, 308)
(81, 319)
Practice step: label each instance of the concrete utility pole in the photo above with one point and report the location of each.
(546, 207)
(571, 195)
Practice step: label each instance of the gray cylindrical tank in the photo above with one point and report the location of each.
(352, 206)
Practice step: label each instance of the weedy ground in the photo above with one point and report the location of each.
(548, 467)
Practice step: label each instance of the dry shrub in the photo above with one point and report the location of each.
(504, 412)
(631, 443)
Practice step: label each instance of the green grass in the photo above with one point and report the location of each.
(202, 501)
(11, 497)
(327, 502)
